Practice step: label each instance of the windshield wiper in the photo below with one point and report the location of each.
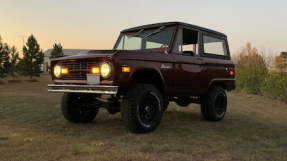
(154, 32)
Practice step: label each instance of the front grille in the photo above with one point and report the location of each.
(77, 69)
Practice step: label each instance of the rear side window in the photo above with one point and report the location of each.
(214, 45)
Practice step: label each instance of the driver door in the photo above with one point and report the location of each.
(188, 65)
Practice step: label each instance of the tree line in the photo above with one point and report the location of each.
(30, 64)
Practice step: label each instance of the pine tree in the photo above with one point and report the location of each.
(4, 59)
(33, 58)
(2, 73)
(13, 60)
(57, 51)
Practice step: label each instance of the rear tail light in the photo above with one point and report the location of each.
(232, 73)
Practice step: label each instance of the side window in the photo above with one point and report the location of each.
(187, 42)
(213, 45)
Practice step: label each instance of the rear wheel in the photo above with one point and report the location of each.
(78, 108)
(142, 108)
(214, 104)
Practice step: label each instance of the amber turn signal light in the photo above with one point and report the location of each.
(126, 69)
(96, 70)
(64, 71)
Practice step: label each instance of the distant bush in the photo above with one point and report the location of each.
(275, 85)
(251, 70)
(280, 63)
(250, 80)
(254, 76)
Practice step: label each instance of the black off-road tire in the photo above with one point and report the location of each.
(141, 109)
(214, 104)
(79, 108)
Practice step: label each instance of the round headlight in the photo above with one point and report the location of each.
(57, 71)
(106, 70)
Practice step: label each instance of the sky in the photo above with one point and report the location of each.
(93, 24)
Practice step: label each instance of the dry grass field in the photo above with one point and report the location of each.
(33, 129)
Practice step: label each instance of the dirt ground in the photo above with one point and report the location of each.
(32, 129)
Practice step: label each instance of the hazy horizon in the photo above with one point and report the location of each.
(96, 25)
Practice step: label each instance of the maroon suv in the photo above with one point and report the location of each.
(148, 67)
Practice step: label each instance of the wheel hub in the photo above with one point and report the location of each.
(148, 108)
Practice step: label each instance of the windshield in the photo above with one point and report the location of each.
(141, 40)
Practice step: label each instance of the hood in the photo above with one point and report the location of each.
(91, 54)
(106, 54)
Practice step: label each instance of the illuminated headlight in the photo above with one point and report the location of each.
(106, 70)
(57, 71)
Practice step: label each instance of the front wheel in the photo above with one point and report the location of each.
(142, 108)
(214, 104)
(79, 108)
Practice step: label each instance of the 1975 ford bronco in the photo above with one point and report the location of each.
(148, 67)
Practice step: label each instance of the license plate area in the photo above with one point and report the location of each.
(93, 79)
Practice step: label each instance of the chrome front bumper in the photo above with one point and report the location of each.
(97, 89)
